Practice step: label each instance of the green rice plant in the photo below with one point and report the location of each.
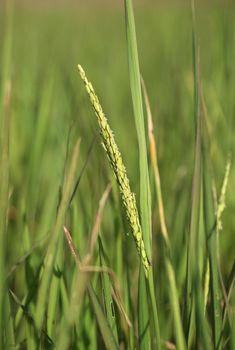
(180, 339)
(194, 297)
(144, 332)
(219, 227)
(210, 229)
(123, 182)
(54, 241)
(119, 169)
(81, 284)
(107, 294)
(6, 328)
(145, 196)
(4, 200)
(37, 148)
(91, 292)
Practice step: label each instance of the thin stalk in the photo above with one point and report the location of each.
(82, 284)
(145, 196)
(210, 228)
(134, 74)
(56, 235)
(154, 161)
(156, 338)
(107, 293)
(5, 99)
(144, 338)
(201, 325)
(180, 340)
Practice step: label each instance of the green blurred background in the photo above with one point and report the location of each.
(49, 39)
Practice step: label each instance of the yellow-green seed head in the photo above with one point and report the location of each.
(119, 170)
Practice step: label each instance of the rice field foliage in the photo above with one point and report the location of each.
(160, 78)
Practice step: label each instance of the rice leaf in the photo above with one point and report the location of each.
(55, 237)
(107, 293)
(143, 313)
(5, 101)
(145, 196)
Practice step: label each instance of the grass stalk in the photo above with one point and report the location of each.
(56, 235)
(81, 285)
(107, 294)
(134, 74)
(194, 274)
(144, 337)
(5, 101)
(180, 339)
(210, 229)
(176, 290)
(145, 196)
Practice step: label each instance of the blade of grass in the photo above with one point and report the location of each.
(174, 299)
(193, 274)
(105, 330)
(56, 235)
(145, 196)
(214, 211)
(5, 98)
(107, 294)
(42, 128)
(10, 332)
(4, 193)
(82, 284)
(231, 284)
(180, 340)
(52, 309)
(154, 161)
(129, 308)
(220, 208)
(195, 206)
(143, 314)
(8, 10)
(210, 229)
(134, 74)
(232, 340)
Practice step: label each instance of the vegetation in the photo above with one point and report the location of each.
(72, 276)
